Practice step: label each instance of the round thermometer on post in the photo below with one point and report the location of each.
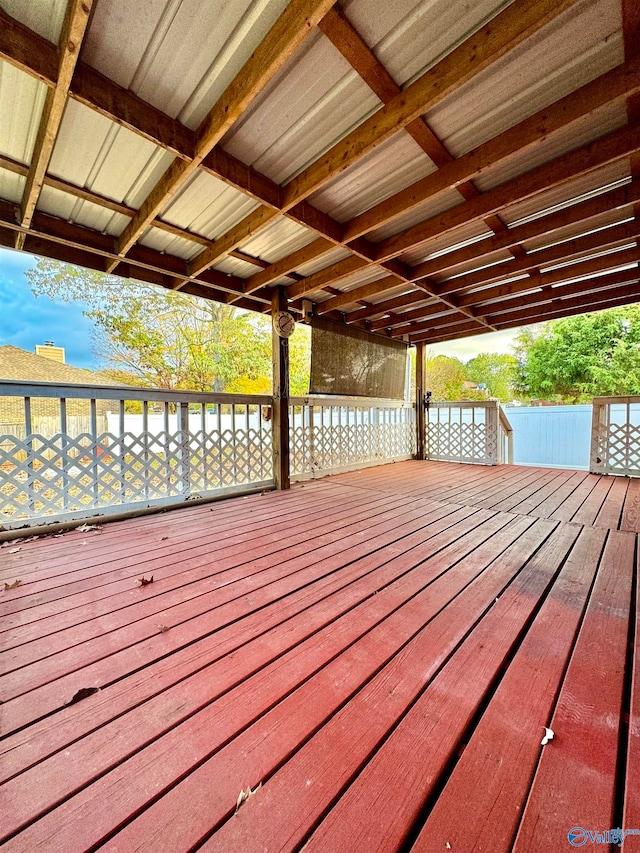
(284, 324)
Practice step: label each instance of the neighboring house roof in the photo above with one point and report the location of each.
(18, 364)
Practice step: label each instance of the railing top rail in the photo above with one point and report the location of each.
(362, 402)
(603, 401)
(504, 421)
(17, 388)
(475, 404)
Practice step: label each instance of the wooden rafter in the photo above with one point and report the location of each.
(508, 29)
(71, 36)
(282, 40)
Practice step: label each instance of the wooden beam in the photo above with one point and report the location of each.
(373, 288)
(612, 87)
(586, 287)
(280, 419)
(621, 143)
(286, 265)
(478, 300)
(607, 238)
(508, 29)
(71, 36)
(581, 212)
(287, 34)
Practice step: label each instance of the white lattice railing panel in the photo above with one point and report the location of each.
(177, 446)
(615, 436)
(468, 431)
(338, 434)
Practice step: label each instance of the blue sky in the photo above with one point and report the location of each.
(26, 321)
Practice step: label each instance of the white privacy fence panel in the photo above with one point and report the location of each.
(343, 433)
(468, 431)
(615, 436)
(179, 446)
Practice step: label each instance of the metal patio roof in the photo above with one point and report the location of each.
(425, 169)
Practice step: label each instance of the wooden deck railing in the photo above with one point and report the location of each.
(615, 436)
(475, 431)
(136, 448)
(331, 434)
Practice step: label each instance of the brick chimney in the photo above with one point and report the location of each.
(50, 351)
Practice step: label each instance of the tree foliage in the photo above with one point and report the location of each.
(498, 372)
(577, 358)
(168, 339)
(444, 377)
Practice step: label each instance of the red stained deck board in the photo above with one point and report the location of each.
(383, 803)
(611, 512)
(169, 692)
(553, 503)
(574, 784)
(49, 634)
(326, 512)
(591, 506)
(631, 811)
(215, 724)
(291, 801)
(526, 495)
(271, 631)
(631, 512)
(117, 662)
(494, 774)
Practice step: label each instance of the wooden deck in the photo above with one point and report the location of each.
(379, 651)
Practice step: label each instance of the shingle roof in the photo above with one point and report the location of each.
(16, 363)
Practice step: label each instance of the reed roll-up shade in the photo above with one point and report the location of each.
(353, 362)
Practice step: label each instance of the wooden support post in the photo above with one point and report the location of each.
(280, 420)
(421, 450)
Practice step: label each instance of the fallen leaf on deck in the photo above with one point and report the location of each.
(14, 551)
(145, 581)
(163, 538)
(85, 528)
(548, 735)
(81, 694)
(448, 846)
(243, 796)
(163, 628)
(13, 585)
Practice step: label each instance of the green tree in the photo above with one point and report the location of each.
(166, 338)
(444, 377)
(577, 358)
(498, 372)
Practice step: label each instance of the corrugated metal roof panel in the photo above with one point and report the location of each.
(278, 239)
(45, 17)
(314, 101)
(234, 266)
(85, 213)
(11, 186)
(580, 133)
(570, 191)
(409, 37)
(162, 241)
(573, 49)
(433, 207)
(361, 277)
(387, 169)
(475, 265)
(208, 206)
(21, 102)
(179, 55)
(95, 153)
(604, 220)
(470, 232)
(324, 261)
